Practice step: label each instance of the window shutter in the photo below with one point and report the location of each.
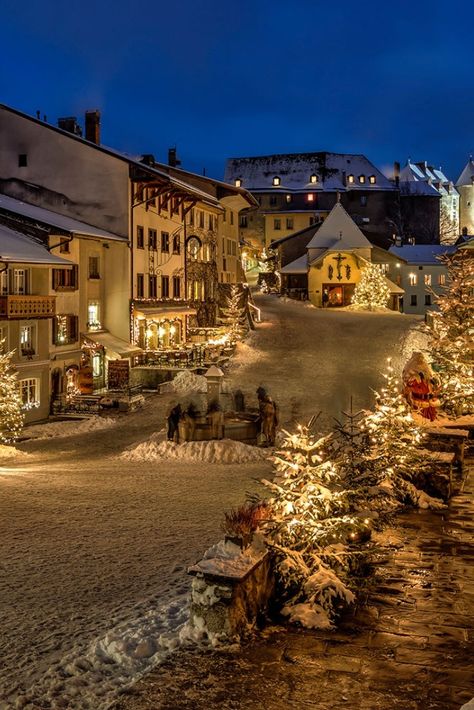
(75, 277)
(55, 326)
(55, 279)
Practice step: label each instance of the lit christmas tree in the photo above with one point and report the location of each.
(372, 291)
(11, 412)
(452, 335)
(394, 452)
(311, 530)
(233, 315)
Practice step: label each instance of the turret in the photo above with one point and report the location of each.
(465, 186)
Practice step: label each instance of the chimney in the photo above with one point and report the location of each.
(148, 159)
(69, 124)
(93, 126)
(173, 160)
(396, 169)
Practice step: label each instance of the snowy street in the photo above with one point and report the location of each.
(95, 548)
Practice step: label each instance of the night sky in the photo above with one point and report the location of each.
(221, 79)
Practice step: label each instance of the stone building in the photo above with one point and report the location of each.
(465, 186)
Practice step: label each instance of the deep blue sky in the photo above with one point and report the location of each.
(221, 79)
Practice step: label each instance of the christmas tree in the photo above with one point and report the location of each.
(233, 315)
(372, 291)
(11, 413)
(311, 530)
(394, 454)
(451, 337)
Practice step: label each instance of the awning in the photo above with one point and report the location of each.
(112, 344)
(165, 311)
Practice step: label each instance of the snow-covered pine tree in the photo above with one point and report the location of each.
(311, 529)
(11, 412)
(233, 314)
(372, 291)
(451, 337)
(394, 452)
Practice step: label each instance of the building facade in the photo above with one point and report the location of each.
(465, 186)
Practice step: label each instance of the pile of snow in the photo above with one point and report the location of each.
(9, 452)
(185, 382)
(229, 560)
(224, 451)
(59, 430)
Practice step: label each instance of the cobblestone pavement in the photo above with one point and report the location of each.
(409, 648)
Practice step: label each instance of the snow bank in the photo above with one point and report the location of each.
(230, 560)
(9, 452)
(224, 451)
(185, 382)
(59, 430)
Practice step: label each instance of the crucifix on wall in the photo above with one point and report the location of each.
(339, 259)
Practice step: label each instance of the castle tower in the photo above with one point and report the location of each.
(465, 186)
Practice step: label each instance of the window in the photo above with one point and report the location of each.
(20, 279)
(412, 279)
(27, 340)
(165, 287)
(97, 365)
(310, 197)
(3, 338)
(152, 239)
(363, 201)
(350, 179)
(93, 315)
(201, 219)
(140, 237)
(224, 263)
(4, 283)
(362, 179)
(413, 300)
(372, 179)
(64, 247)
(229, 247)
(288, 198)
(231, 217)
(277, 224)
(140, 285)
(22, 160)
(176, 244)
(276, 181)
(234, 248)
(289, 222)
(29, 392)
(94, 267)
(65, 279)
(165, 242)
(224, 216)
(211, 222)
(176, 287)
(238, 182)
(442, 279)
(152, 286)
(243, 221)
(427, 279)
(273, 200)
(65, 329)
(191, 216)
(428, 299)
(313, 178)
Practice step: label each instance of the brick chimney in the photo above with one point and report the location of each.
(173, 160)
(93, 126)
(69, 124)
(396, 173)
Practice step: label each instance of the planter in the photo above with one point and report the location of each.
(242, 541)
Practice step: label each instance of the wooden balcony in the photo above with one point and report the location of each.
(25, 307)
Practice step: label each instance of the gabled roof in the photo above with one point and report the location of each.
(20, 249)
(467, 175)
(423, 179)
(421, 253)
(298, 266)
(295, 170)
(53, 219)
(339, 232)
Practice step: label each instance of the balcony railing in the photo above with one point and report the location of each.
(27, 307)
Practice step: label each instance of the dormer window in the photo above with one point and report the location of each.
(310, 197)
(288, 198)
(276, 181)
(350, 179)
(238, 182)
(372, 179)
(313, 179)
(362, 179)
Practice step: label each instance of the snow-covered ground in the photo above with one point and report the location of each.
(95, 547)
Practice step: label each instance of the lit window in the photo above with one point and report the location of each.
(93, 315)
(350, 179)
(362, 179)
(238, 182)
(442, 279)
(288, 198)
(310, 197)
(372, 179)
(313, 179)
(27, 340)
(412, 279)
(29, 392)
(276, 181)
(427, 279)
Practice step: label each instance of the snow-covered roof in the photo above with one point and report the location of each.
(59, 221)
(295, 171)
(339, 232)
(298, 266)
(112, 343)
(423, 179)
(467, 175)
(421, 253)
(394, 288)
(18, 248)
